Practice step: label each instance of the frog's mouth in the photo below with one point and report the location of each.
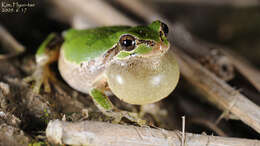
(158, 49)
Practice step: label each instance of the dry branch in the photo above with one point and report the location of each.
(219, 92)
(211, 58)
(245, 68)
(228, 59)
(94, 10)
(9, 44)
(210, 125)
(99, 133)
(236, 3)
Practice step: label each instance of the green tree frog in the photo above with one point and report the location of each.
(133, 63)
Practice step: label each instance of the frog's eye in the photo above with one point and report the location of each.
(127, 42)
(164, 28)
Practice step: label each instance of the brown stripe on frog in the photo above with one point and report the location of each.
(108, 56)
(55, 43)
(146, 42)
(52, 49)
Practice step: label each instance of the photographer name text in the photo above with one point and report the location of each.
(16, 7)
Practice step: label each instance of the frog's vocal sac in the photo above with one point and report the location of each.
(133, 63)
(143, 80)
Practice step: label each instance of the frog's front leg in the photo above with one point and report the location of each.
(47, 53)
(107, 108)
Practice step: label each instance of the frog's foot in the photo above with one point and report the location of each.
(107, 108)
(47, 53)
(41, 76)
(118, 115)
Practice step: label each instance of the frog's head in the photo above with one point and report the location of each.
(143, 72)
(144, 41)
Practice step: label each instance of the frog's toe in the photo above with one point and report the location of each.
(37, 86)
(37, 82)
(40, 77)
(134, 118)
(46, 84)
(118, 115)
(28, 79)
(107, 108)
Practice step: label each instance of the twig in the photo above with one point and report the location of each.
(227, 60)
(141, 10)
(225, 113)
(211, 58)
(90, 9)
(10, 44)
(236, 3)
(99, 133)
(245, 68)
(219, 92)
(210, 125)
(183, 131)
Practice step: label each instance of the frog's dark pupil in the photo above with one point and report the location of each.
(165, 28)
(127, 42)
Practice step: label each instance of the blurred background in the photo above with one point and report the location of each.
(234, 24)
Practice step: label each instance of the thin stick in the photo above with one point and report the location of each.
(209, 125)
(10, 44)
(99, 133)
(94, 10)
(236, 3)
(140, 9)
(212, 58)
(219, 92)
(240, 63)
(245, 68)
(183, 131)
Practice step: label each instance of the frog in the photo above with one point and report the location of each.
(134, 63)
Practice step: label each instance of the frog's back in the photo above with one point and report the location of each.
(84, 45)
(81, 61)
